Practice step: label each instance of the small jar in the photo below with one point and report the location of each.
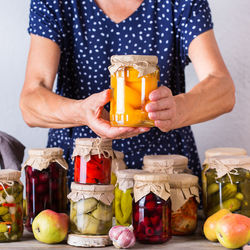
(168, 164)
(124, 196)
(184, 192)
(227, 184)
(91, 208)
(117, 164)
(93, 159)
(11, 205)
(152, 208)
(133, 77)
(46, 182)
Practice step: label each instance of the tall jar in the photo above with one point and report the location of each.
(91, 209)
(92, 160)
(124, 196)
(152, 208)
(11, 205)
(46, 182)
(227, 184)
(184, 191)
(117, 164)
(133, 77)
(168, 164)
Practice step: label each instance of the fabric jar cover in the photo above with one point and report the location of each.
(118, 162)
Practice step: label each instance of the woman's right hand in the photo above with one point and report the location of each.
(95, 117)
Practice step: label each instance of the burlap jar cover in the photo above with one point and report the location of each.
(228, 164)
(183, 187)
(41, 158)
(144, 64)
(85, 147)
(169, 164)
(156, 183)
(125, 178)
(118, 162)
(103, 193)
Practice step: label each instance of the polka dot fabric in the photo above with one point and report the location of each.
(88, 38)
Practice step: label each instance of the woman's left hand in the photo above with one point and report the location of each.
(162, 108)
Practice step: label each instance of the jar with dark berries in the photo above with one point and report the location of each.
(92, 161)
(46, 182)
(152, 208)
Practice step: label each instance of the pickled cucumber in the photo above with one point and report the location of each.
(212, 188)
(3, 228)
(3, 210)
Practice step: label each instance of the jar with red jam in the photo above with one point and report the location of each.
(46, 182)
(184, 199)
(92, 161)
(152, 208)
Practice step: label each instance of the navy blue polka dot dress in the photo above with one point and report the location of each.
(88, 38)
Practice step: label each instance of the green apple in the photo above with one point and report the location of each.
(50, 227)
(233, 230)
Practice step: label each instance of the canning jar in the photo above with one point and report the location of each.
(168, 164)
(91, 208)
(93, 158)
(46, 182)
(227, 184)
(124, 195)
(184, 192)
(133, 77)
(11, 205)
(152, 208)
(117, 164)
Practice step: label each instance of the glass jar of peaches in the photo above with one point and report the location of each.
(185, 199)
(152, 208)
(46, 182)
(93, 159)
(133, 77)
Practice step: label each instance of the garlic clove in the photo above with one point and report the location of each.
(115, 232)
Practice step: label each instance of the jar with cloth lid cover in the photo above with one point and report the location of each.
(184, 192)
(93, 159)
(133, 77)
(46, 182)
(91, 209)
(169, 164)
(11, 205)
(152, 208)
(227, 184)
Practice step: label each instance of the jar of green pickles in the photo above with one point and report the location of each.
(168, 164)
(117, 164)
(226, 184)
(11, 205)
(91, 209)
(124, 195)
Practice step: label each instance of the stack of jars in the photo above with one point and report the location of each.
(46, 182)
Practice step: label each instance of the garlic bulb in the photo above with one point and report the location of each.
(122, 237)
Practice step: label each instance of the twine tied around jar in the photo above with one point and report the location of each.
(9, 183)
(101, 151)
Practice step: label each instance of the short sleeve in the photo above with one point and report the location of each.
(192, 18)
(45, 20)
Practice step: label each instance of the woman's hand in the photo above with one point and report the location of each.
(96, 117)
(162, 108)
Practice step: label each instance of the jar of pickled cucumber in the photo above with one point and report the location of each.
(91, 209)
(11, 205)
(168, 164)
(184, 191)
(92, 160)
(133, 77)
(124, 196)
(117, 164)
(227, 184)
(46, 182)
(152, 208)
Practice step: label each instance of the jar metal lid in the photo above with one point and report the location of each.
(9, 175)
(152, 177)
(183, 180)
(213, 152)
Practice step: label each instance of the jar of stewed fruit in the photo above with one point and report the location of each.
(168, 164)
(133, 78)
(93, 159)
(227, 184)
(184, 190)
(46, 182)
(117, 164)
(91, 208)
(11, 205)
(124, 196)
(152, 208)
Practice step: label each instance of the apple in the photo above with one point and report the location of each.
(50, 227)
(233, 230)
(210, 224)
